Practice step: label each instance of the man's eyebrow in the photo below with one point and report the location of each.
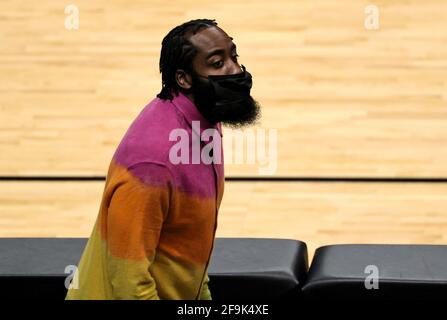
(214, 52)
(220, 51)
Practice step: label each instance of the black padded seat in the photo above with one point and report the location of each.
(34, 268)
(241, 268)
(257, 268)
(404, 272)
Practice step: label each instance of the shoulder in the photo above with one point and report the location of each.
(147, 139)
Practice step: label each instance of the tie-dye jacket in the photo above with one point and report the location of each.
(154, 234)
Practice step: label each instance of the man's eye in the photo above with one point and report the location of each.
(217, 64)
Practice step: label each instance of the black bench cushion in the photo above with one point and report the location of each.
(257, 268)
(35, 267)
(240, 267)
(404, 271)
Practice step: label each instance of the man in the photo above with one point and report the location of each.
(155, 230)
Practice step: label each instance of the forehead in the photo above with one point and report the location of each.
(211, 38)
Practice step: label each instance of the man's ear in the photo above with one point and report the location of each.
(183, 79)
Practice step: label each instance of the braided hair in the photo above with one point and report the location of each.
(177, 52)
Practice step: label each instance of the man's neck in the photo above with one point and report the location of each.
(190, 96)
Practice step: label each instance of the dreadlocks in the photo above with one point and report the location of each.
(177, 52)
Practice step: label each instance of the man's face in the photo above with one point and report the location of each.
(217, 55)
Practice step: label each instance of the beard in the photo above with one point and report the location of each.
(234, 113)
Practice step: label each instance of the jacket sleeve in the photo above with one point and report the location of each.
(138, 207)
(205, 294)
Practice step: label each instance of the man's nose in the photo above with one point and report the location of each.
(235, 68)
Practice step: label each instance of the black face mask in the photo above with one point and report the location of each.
(226, 98)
